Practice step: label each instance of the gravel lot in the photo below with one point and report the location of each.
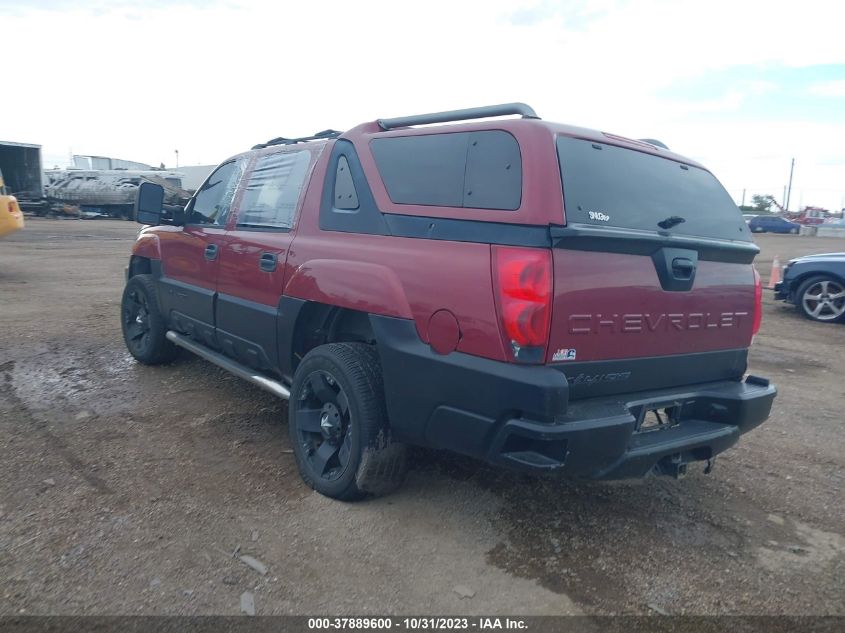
(125, 489)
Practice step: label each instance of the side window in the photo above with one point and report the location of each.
(213, 200)
(347, 202)
(481, 170)
(345, 195)
(273, 189)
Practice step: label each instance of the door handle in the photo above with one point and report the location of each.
(682, 268)
(211, 252)
(267, 262)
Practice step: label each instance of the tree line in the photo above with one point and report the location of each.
(761, 204)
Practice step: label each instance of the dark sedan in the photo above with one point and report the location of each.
(772, 224)
(816, 284)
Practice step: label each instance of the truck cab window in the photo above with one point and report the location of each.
(272, 191)
(212, 202)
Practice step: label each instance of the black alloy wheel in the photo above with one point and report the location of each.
(323, 425)
(338, 423)
(136, 321)
(144, 329)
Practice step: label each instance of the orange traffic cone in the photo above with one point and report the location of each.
(775, 276)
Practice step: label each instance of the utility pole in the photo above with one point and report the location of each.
(177, 158)
(789, 189)
(743, 198)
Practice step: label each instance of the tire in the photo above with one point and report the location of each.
(758, 230)
(144, 329)
(793, 231)
(822, 298)
(338, 424)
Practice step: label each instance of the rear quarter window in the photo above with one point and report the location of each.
(481, 170)
(606, 185)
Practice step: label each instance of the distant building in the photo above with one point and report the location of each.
(81, 161)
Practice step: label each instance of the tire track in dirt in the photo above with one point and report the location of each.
(55, 442)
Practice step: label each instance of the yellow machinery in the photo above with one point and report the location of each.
(11, 217)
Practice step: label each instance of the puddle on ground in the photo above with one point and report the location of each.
(62, 378)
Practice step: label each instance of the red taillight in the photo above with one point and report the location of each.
(758, 303)
(523, 281)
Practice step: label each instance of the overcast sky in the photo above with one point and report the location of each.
(740, 86)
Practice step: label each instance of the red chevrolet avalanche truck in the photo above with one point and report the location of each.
(540, 296)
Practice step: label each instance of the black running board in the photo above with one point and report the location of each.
(241, 371)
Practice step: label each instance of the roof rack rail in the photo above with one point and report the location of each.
(503, 109)
(282, 140)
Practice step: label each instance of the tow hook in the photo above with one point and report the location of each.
(708, 468)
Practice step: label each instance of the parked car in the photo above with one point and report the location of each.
(748, 217)
(816, 285)
(440, 286)
(773, 224)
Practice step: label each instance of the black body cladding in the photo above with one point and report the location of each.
(532, 418)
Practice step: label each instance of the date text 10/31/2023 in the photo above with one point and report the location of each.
(418, 623)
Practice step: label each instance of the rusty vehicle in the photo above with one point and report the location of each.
(111, 193)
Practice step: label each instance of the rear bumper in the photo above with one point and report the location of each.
(521, 416)
(601, 438)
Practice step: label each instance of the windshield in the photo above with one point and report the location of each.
(606, 185)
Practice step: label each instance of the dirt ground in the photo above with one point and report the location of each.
(125, 489)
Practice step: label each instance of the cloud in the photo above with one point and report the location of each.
(95, 7)
(214, 78)
(529, 16)
(834, 88)
(728, 102)
(571, 14)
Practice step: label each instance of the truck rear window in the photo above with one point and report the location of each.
(606, 185)
(481, 170)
